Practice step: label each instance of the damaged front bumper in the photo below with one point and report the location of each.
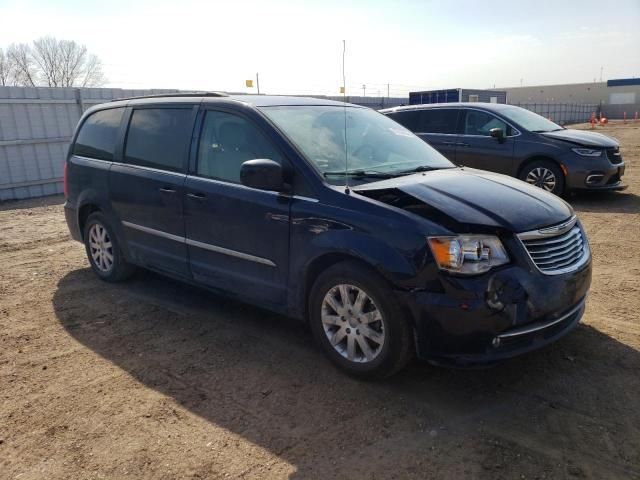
(495, 316)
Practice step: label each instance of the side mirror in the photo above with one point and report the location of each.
(498, 134)
(262, 174)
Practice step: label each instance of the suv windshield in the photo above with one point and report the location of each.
(376, 146)
(529, 120)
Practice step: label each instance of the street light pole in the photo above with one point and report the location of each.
(258, 83)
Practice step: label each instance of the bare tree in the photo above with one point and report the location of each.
(92, 75)
(65, 63)
(24, 69)
(6, 69)
(46, 54)
(50, 62)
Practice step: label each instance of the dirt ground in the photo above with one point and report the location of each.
(153, 379)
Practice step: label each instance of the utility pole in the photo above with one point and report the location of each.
(258, 83)
(388, 96)
(364, 90)
(601, 69)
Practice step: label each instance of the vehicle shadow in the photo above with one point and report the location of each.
(609, 202)
(258, 375)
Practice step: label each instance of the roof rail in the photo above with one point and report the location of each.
(176, 94)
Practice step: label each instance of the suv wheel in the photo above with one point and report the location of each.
(358, 323)
(544, 174)
(103, 250)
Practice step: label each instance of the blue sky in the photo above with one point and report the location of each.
(297, 45)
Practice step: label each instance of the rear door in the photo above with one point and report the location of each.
(476, 148)
(437, 127)
(237, 237)
(147, 188)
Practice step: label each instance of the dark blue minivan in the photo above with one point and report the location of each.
(330, 213)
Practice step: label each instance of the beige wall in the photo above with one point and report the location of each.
(590, 93)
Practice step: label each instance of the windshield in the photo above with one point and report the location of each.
(529, 120)
(376, 146)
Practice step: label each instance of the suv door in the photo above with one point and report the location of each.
(147, 189)
(436, 126)
(237, 237)
(478, 149)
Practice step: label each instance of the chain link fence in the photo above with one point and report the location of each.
(562, 113)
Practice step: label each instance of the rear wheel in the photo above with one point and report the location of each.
(103, 250)
(544, 174)
(358, 322)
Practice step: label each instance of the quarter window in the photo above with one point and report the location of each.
(226, 142)
(158, 138)
(97, 136)
(436, 120)
(480, 123)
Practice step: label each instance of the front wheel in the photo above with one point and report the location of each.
(544, 174)
(358, 322)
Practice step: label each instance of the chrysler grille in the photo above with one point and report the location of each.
(558, 253)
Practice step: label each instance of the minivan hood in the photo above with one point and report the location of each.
(583, 138)
(461, 198)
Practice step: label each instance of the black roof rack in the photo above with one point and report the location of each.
(175, 94)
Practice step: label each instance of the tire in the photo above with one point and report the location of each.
(103, 250)
(381, 343)
(536, 172)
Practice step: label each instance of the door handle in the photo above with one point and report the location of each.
(167, 190)
(448, 143)
(197, 196)
(462, 144)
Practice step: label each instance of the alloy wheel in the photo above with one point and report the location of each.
(352, 323)
(101, 247)
(543, 178)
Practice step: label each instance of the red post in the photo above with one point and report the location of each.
(624, 117)
(636, 117)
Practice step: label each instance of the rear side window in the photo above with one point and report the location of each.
(97, 136)
(439, 120)
(158, 138)
(409, 119)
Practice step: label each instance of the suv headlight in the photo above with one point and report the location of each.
(468, 254)
(587, 152)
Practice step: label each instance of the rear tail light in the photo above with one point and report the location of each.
(66, 181)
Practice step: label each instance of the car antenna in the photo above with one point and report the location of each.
(344, 98)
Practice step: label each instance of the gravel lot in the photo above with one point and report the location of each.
(153, 379)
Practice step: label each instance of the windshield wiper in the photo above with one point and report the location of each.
(421, 168)
(359, 174)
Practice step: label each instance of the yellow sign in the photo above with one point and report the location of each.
(341, 89)
(249, 83)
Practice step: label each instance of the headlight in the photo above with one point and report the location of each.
(587, 152)
(468, 254)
